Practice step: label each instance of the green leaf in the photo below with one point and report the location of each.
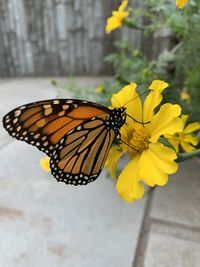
(185, 156)
(165, 142)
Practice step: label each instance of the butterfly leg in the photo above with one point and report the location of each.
(126, 143)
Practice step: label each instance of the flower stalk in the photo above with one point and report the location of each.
(189, 155)
(130, 23)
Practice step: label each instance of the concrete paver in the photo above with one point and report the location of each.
(172, 222)
(179, 200)
(45, 223)
(171, 245)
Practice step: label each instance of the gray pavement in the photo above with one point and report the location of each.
(170, 233)
(45, 223)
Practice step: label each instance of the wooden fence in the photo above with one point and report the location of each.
(56, 37)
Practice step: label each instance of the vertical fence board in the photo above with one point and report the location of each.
(60, 37)
(51, 37)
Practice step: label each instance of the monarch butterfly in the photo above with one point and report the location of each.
(75, 134)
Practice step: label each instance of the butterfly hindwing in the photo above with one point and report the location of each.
(80, 155)
(44, 123)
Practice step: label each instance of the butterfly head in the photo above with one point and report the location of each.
(118, 118)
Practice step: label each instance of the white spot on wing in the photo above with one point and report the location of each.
(17, 112)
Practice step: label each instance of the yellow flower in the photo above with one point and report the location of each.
(45, 164)
(185, 139)
(181, 3)
(136, 52)
(117, 18)
(185, 96)
(150, 162)
(100, 89)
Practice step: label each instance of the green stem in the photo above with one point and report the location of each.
(131, 24)
(185, 156)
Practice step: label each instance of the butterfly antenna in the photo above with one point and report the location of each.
(136, 120)
(132, 100)
(137, 96)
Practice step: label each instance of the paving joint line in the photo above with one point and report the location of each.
(138, 261)
(147, 223)
(175, 225)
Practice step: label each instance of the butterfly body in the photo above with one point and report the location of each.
(75, 134)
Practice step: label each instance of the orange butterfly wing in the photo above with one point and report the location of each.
(76, 134)
(80, 155)
(44, 123)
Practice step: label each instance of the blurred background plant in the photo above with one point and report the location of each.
(177, 62)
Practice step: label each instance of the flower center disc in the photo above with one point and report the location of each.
(138, 137)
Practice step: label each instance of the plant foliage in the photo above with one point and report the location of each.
(179, 64)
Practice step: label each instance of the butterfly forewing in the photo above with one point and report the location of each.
(44, 123)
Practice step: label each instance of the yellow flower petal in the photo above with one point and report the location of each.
(151, 102)
(156, 163)
(185, 139)
(190, 139)
(130, 98)
(45, 164)
(123, 5)
(192, 127)
(126, 94)
(165, 122)
(164, 157)
(174, 142)
(184, 118)
(181, 3)
(114, 155)
(112, 24)
(128, 186)
(120, 15)
(117, 18)
(187, 147)
(158, 85)
(153, 99)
